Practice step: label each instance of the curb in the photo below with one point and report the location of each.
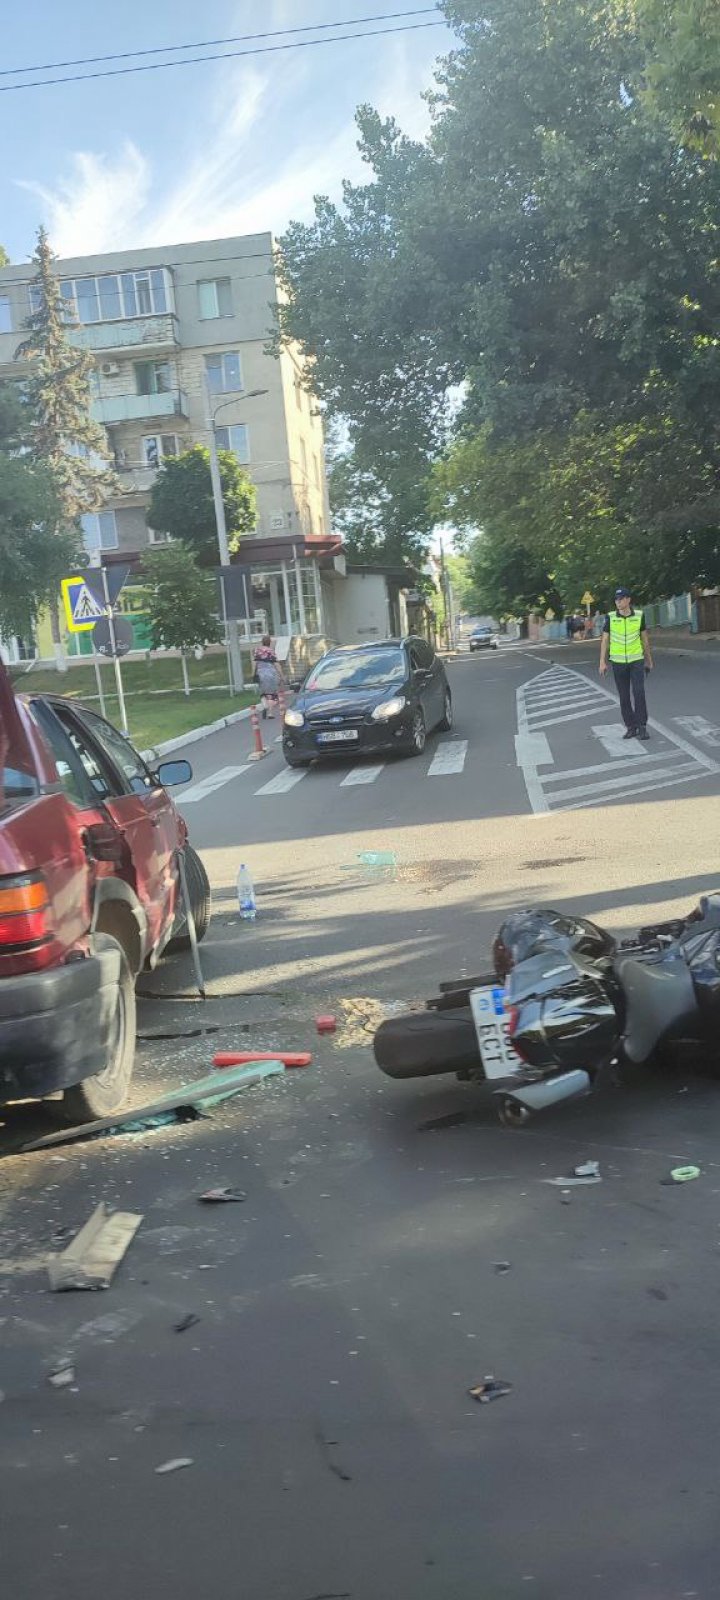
(196, 734)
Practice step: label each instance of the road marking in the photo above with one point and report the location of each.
(209, 785)
(361, 775)
(566, 695)
(448, 758)
(706, 732)
(532, 749)
(284, 781)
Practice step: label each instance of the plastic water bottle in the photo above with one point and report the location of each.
(246, 894)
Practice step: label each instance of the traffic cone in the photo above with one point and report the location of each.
(259, 751)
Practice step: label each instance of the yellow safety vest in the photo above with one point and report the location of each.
(625, 642)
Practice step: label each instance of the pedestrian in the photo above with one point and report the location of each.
(625, 641)
(268, 675)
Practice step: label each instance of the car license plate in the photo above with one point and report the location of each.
(340, 736)
(498, 1057)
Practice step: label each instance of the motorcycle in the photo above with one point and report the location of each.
(565, 1001)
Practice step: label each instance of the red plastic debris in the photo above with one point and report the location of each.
(241, 1058)
(326, 1024)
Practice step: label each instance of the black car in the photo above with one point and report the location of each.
(368, 699)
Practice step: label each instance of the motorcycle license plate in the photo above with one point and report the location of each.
(490, 1017)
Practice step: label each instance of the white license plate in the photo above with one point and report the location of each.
(339, 737)
(498, 1057)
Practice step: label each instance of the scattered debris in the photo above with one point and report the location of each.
(193, 1097)
(490, 1389)
(588, 1172)
(92, 1259)
(657, 1294)
(681, 1175)
(377, 858)
(239, 1058)
(565, 1197)
(326, 1024)
(188, 1321)
(452, 1119)
(174, 1466)
(502, 1266)
(218, 1196)
(325, 1446)
(181, 1033)
(62, 1377)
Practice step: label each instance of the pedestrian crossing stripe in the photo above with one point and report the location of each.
(82, 610)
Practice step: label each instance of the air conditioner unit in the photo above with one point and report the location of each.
(110, 369)
(277, 520)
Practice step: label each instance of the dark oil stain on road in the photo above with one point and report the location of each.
(552, 861)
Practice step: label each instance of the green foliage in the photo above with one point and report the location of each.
(181, 502)
(4, 257)
(33, 558)
(682, 39)
(181, 599)
(61, 433)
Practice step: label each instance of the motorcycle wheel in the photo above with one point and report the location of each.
(512, 1114)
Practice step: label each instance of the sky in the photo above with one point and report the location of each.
(194, 152)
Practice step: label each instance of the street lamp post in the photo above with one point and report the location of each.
(232, 641)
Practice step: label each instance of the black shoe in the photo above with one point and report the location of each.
(642, 733)
(630, 734)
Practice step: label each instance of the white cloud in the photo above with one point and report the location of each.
(262, 151)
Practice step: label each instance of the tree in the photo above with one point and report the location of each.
(4, 257)
(682, 39)
(62, 434)
(181, 602)
(33, 558)
(181, 502)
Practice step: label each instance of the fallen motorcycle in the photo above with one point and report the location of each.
(564, 1001)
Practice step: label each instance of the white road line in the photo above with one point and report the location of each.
(612, 738)
(532, 749)
(284, 781)
(617, 785)
(209, 785)
(706, 732)
(667, 757)
(534, 788)
(361, 775)
(640, 788)
(448, 758)
(569, 716)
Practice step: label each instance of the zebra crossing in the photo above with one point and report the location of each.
(561, 696)
(448, 760)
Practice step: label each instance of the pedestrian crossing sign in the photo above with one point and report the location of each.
(82, 609)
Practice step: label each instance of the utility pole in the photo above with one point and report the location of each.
(232, 642)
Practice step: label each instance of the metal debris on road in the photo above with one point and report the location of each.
(502, 1266)
(681, 1175)
(62, 1377)
(218, 1196)
(196, 1097)
(188, 1321)
(93, 1257)
(174, 1466)
(588, 1172)
(490, 1389)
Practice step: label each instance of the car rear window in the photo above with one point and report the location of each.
(359, 669)
(18, 779)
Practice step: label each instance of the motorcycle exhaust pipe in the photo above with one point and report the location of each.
(538, 1096)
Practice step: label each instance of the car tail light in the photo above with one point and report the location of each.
(513, 1027)
(24, 912)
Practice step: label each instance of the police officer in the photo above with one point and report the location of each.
(625, 640)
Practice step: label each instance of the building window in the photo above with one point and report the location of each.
(112, 298)
(5, 317)
(303, 459)
(99, 530)
(318, 472)
(214, 299)
(237, 439)
(153, 377)
(298, 394)
(310, 600)
(157, 446)
(224, 372)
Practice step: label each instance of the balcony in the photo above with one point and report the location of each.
(136, 480)
(146, 333)
(139, 407)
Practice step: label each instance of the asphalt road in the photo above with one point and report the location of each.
(349, 1303)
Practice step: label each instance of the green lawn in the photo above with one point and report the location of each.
(157, 708)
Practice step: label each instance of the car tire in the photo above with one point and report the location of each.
(418, 734)
(447, 720)
(106, 1092)
(199, 891)
(296, 761)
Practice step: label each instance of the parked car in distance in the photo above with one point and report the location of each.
(89, 895)
(368, 699)
(483, 638)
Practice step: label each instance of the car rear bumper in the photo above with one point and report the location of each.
(55, 1026)
(376, 738)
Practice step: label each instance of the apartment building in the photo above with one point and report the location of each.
(166, 328)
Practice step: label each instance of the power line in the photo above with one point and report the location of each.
(230, 55)
(208, 44)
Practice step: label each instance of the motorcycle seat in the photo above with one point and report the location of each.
(659, 993)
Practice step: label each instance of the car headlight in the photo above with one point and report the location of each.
(389, 708)
(294, 719)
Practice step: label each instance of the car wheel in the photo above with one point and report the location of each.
(418, 734)
(106, 1092)
(199, 891)
(447, 720)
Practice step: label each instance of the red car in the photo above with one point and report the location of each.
(89, 895)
